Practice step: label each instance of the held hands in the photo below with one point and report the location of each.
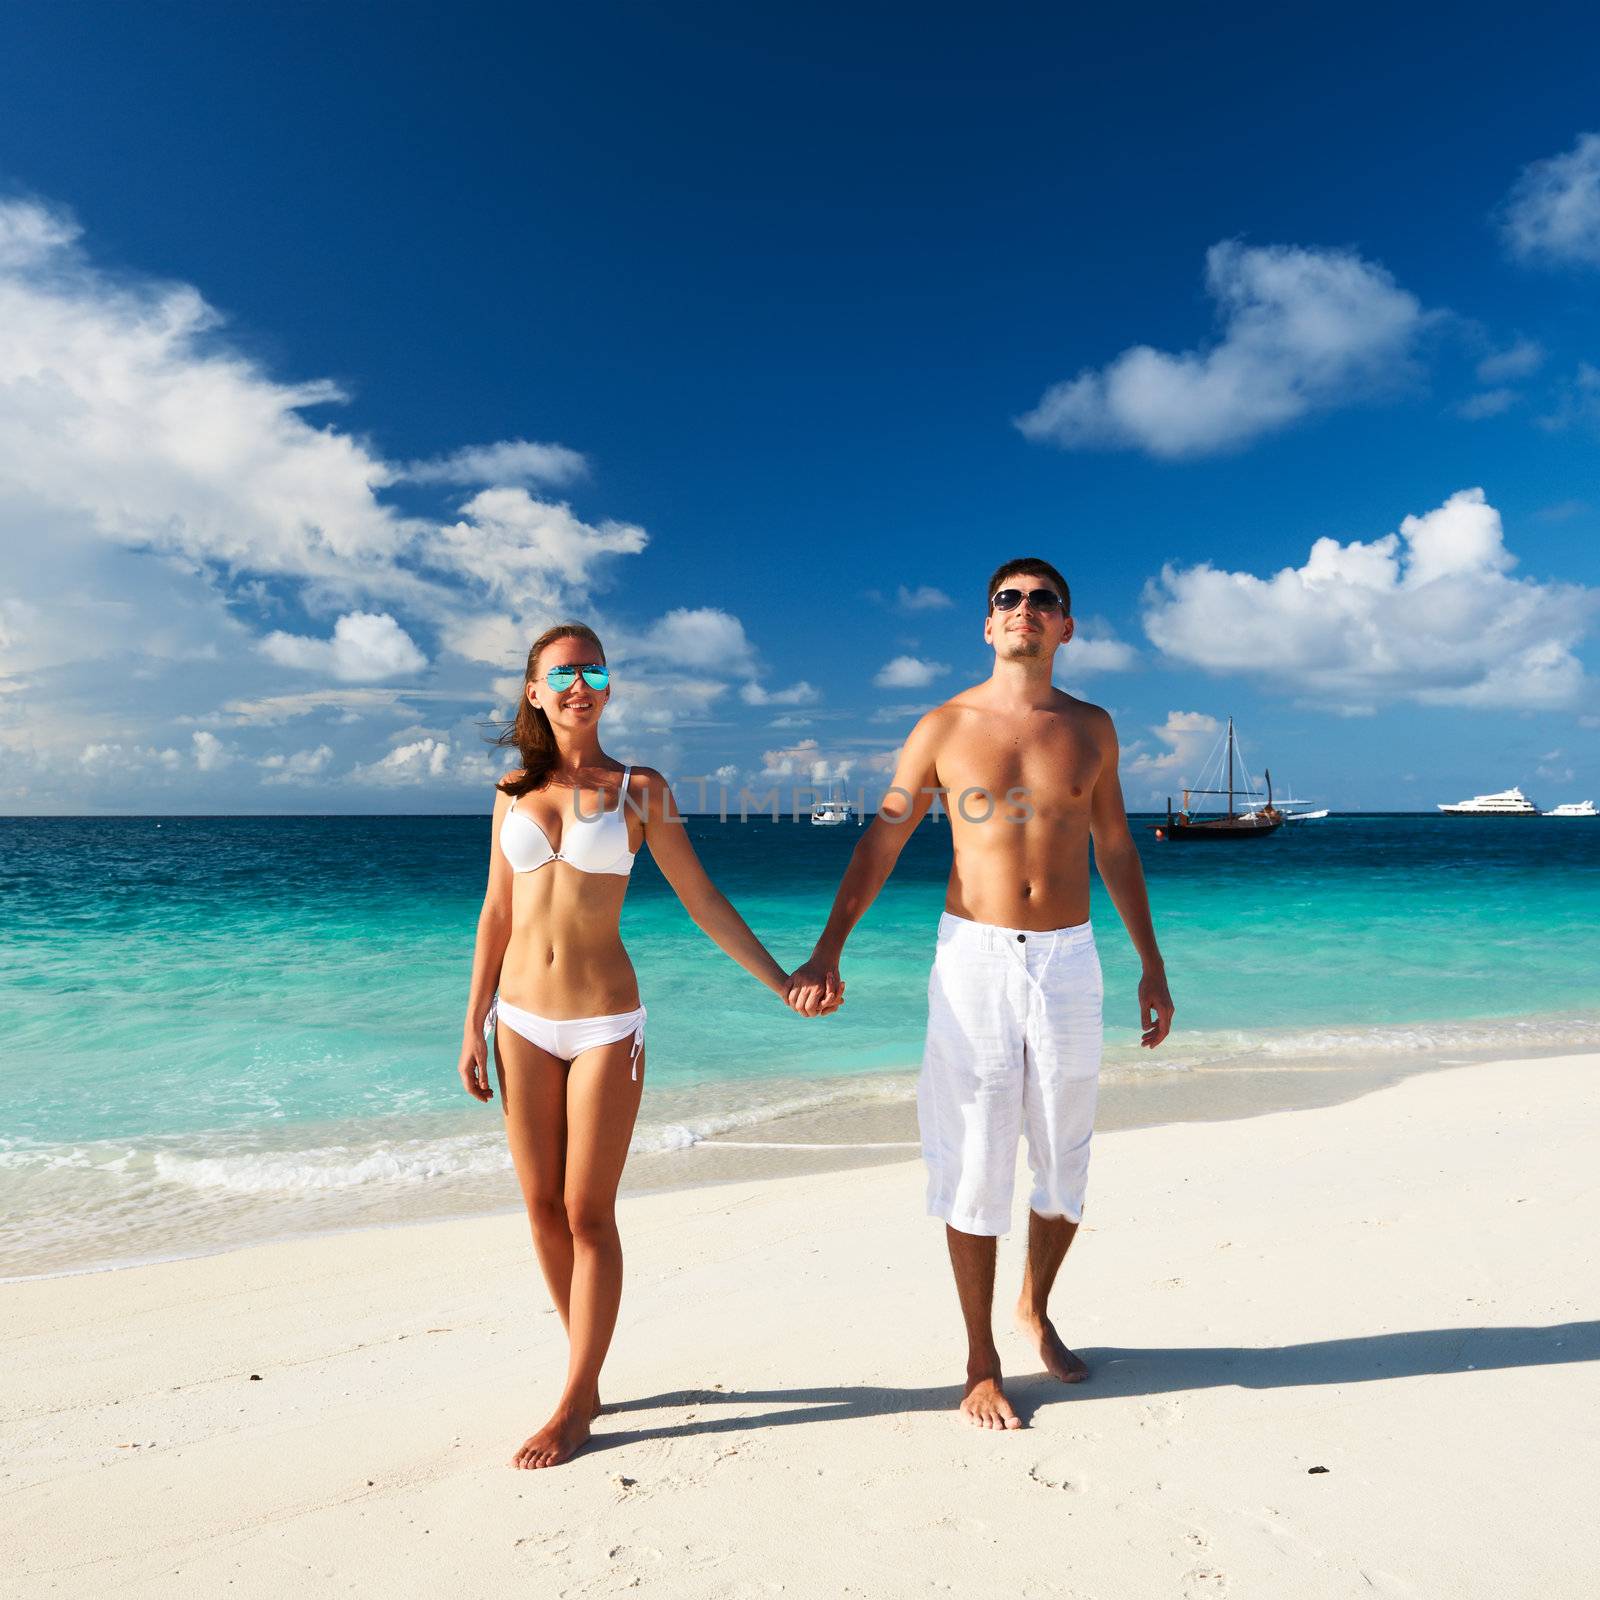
(475, 1064)
(815, 989)
(1155, 1008)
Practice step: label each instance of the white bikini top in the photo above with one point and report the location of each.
(592, 843)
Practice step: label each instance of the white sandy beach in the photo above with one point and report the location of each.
(1404, 1290)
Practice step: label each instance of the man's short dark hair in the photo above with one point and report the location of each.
(1030, 567)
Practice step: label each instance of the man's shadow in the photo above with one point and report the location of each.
(1118, 1372)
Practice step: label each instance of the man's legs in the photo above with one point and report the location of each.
(1049, 1239)
(1061, 1084)
(972, 1255)
(969, 1108)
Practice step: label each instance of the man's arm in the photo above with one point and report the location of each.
(1117, 859)
(903, 807)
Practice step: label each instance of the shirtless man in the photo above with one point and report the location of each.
(1029, 778)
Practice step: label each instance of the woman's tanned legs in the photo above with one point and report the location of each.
(602, 1101)
(533, 1096)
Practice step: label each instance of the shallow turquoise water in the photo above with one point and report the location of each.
(180, 994)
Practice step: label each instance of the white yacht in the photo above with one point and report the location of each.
(831, 813)
(1508, 803)
(1574, 808)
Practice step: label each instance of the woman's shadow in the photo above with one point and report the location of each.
(1119, 1372)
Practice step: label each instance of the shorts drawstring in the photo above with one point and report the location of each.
(1022, 957)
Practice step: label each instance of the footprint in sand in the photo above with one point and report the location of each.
(1204, 1583)
(1161, 1413)
(1056, 1472)
(1385, 1583)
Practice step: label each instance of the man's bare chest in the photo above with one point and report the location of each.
(1051, 761)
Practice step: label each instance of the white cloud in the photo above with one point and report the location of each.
(1577, 400)
(700, 636)
(112, 759)
(491, 639)
(923, 598)
(909, 672)
(365, 647)
(344, 705)
(1429, 614)
(1303, 330)
(806, 762)
(706, 641)
(511, 461)
(1094, 647)
(1518, 360)
(210, 753)
(529, 553)
(162, 496)
(122, 407)
(800, 693)
(31, 233)
(300, 767)
(1562, 511)
(1186, 739)
(1552, 214)
(407, 765)
(1490, 403)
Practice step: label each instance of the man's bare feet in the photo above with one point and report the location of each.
(1058, 1361)
(559, 1440)
(985, 1405)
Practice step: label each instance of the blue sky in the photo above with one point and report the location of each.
(791, 325)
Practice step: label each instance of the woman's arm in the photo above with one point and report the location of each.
(706, 904)
(489, 950)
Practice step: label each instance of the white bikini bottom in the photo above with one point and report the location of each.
(567, 1037)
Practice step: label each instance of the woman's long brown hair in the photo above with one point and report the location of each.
(530, 731)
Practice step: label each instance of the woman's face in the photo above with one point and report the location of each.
(576, 706)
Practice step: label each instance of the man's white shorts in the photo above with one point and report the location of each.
(1014, 1040)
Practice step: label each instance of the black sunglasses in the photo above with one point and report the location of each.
(1042, 600)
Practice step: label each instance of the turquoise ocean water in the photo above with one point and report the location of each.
(218, 1029)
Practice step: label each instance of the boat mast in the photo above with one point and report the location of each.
(1230, 766)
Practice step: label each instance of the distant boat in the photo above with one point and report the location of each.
(1574, 808)
(1257, 822)
(1507, 803)
(830, 813)
(1297, 810)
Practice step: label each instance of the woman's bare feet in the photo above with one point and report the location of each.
(984, 1403)
(1058, 1361)
(559, 1440)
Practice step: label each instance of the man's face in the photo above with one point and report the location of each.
(1025, 632)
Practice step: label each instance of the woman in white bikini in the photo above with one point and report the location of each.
(569, 1040)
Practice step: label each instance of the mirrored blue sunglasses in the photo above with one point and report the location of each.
(596, 674)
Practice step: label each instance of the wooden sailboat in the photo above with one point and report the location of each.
(1255, 823)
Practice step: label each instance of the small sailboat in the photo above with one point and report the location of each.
(832, 813)
(1296, 810)
(1260, 818)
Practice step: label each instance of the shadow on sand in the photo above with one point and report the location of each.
(1120, 1372)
